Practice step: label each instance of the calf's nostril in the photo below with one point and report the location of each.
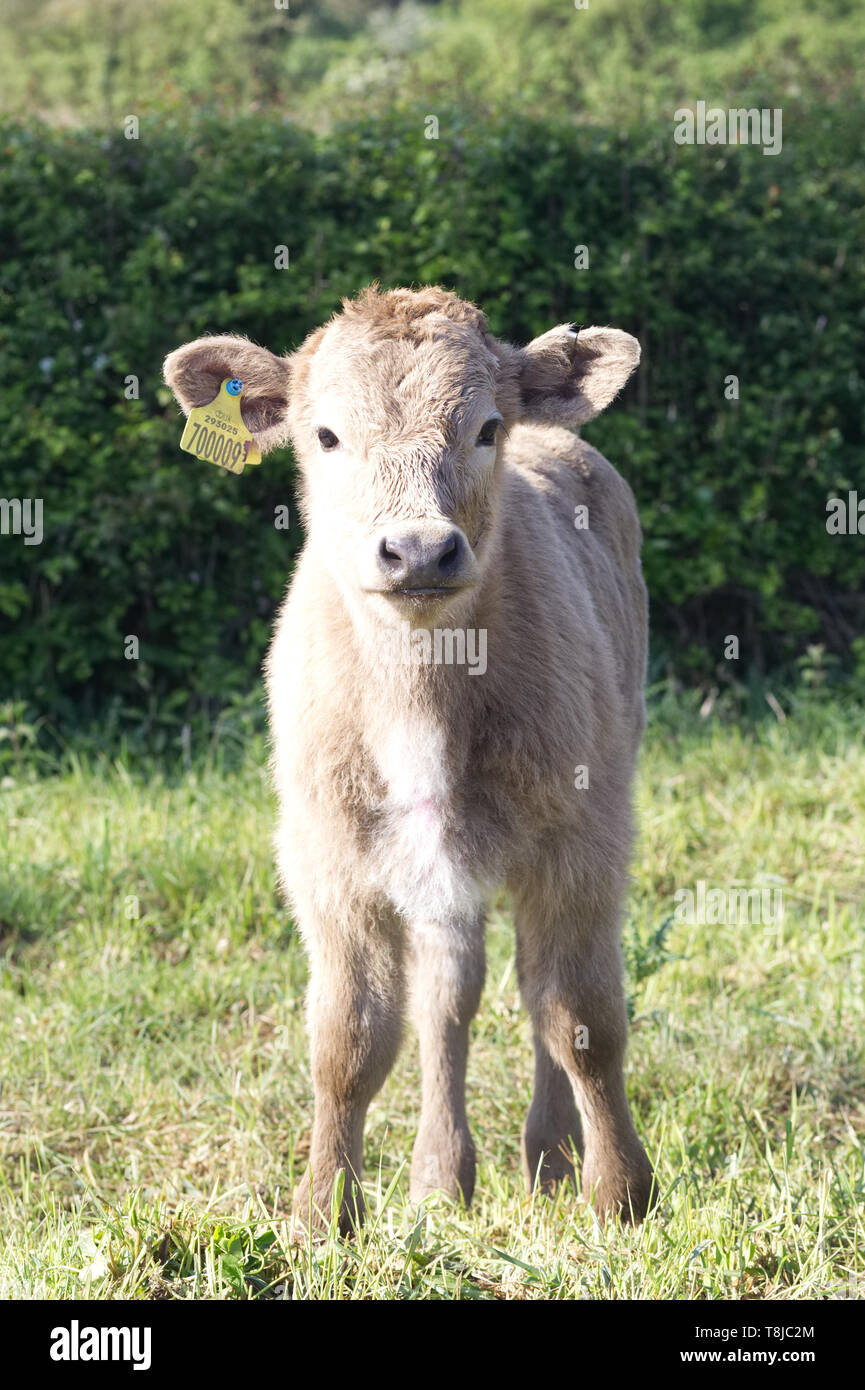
(388, 554)
(448, 556)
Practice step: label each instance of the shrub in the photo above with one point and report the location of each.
(721, 260)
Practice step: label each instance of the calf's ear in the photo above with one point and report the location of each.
(571, 374)
(196, 371)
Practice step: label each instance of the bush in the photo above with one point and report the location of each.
(722, 261)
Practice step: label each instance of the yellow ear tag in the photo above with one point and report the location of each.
(217, 434)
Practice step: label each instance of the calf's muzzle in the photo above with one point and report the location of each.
(423, 559)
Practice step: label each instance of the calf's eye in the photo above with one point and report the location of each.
(328, 440)
(488, 431)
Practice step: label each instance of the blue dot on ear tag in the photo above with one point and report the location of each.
(234, 387)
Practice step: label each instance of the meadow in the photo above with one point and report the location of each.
(156, 1097)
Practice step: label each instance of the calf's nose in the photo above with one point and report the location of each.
(422, 558)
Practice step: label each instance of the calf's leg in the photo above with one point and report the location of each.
(447, 979)
(355, 1005)
(570, 972)
(552, 1129)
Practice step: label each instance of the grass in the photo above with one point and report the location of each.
(156, 1102)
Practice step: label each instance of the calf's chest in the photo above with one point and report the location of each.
(420, 857)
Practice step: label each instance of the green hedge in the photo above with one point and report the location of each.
(721, 260)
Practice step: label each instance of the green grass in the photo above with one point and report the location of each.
(156, 1102)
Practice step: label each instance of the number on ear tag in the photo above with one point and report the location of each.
(217, 434)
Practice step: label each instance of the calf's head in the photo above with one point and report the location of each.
(397, 410)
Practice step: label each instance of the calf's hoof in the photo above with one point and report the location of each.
(443, 1166)
(312, 1207)
(620, 1188)
(547, 1163)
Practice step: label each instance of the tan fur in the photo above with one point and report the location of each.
(408, 793)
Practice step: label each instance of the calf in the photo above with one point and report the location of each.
(445, 497)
